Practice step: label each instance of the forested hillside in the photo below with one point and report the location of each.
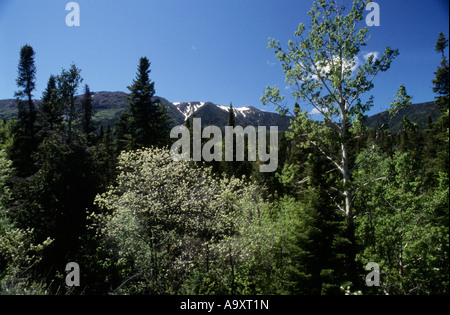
(351, 194)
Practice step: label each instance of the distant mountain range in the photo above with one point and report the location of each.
(416, 113)
(109, 105)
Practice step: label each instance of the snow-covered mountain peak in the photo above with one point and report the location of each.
(188, 108)
(237, 110)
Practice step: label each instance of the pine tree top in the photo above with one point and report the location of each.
(441, 43)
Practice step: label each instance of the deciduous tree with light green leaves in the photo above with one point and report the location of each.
(323, 69)
(401, 225)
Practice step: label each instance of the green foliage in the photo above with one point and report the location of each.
(147, 122)
(5, 175)
(25, 142)
(319, 241)
(26, 84)
(68, 82)
(53, 201)
(26, 74)
(160, 215)
(50, 113)
(321, 69)
(441, 85)
(6, 134)
(17, 256)
(402, 100)
(398, 226)
(17, 253)
(344, 195)
(87, 112)
(231, 117)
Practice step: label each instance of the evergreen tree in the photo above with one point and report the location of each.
(319, 245)
(231, 117)
(441, 83)
(123, 133)
(68, 82)
(189, 123)
(296, 109)
(230, 167)
(25, 142)
(149, 123)
(50, 112)
(105, 158)
(87, 111)
(442, 91)
(26, 83)
(54, 200)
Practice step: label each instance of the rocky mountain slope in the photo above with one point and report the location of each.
(109, 106)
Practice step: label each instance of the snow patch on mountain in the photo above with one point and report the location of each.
(238, 110)
(188, 108)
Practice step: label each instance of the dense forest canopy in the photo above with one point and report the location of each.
(345, 195)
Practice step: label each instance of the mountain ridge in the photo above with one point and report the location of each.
(109, 105)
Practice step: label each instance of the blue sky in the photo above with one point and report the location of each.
(204, 50)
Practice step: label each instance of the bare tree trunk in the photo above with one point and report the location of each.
(346, 181)
(345, 169)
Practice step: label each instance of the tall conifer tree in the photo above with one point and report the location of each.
(441, 82)
(231, 117)
(50, 113)
(68, 83)
(149, 123)
(26, 84)
(25, 142)
(87, 111)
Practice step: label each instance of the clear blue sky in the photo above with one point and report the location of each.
(203, 50)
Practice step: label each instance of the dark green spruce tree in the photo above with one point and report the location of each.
(122, 132)
(25, 141)
(319, 245)
(441, 85)
(87, 111)
(68, 83)
(231, 118)
(441, 89)
(70, 171)
(234, 167)
(50, 113)
(147, 122)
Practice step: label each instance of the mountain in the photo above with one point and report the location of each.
(416, 113)
(109, 105)
(8, 109)
(213, 114)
